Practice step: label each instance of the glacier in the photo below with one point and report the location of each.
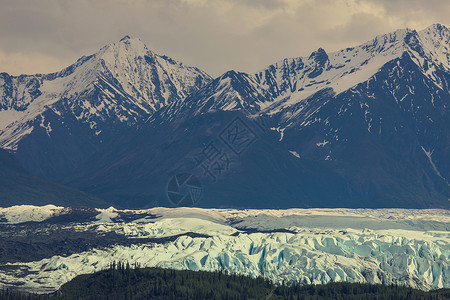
(308, 246)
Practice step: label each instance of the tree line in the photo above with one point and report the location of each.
(125, 281)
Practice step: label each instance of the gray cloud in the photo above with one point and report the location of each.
(215, 35)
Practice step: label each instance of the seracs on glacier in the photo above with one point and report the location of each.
(400, 246)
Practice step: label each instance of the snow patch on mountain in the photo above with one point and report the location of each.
(295, 153)
(9, 116)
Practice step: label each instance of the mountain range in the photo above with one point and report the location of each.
(366, 126)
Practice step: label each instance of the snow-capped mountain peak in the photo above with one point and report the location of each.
(127, 37)
(149, 78)
(127, 47)
(435, 41)
(298, 78)
(292, 80)
(318, 61)
(123, 82)
(230, 91)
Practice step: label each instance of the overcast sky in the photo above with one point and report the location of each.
(41, 36)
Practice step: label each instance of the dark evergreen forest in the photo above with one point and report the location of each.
(123, 282)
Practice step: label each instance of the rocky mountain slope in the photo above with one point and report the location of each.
(362, 127)
(366, 126)
(17, 186)
(54, 121)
